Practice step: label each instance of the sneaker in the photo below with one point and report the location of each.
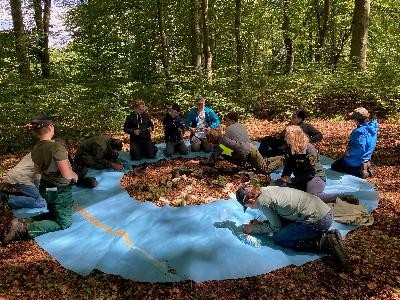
(350, 199)
(332, 243)
(18, 229)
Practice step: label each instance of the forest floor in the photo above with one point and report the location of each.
(28, 272)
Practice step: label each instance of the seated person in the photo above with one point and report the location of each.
(295, 219)
(99, 152)
(238, 153)
(51, 161)
(199, 120)
(173, 128)
(235, 130)
(303, 162)
(271, 146)
(139, 126)
(25, 181)
(357, 160)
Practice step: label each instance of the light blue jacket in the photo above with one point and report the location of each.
(212, 119)
(362, 143)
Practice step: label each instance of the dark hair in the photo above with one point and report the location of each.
(116, 144)
(213, 135)
(233, 116)
(176, 107)
(300, 113)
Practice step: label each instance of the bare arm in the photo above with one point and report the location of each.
(66, 170)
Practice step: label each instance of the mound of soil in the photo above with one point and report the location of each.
(186, 182)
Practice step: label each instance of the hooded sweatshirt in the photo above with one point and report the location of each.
(362, 143)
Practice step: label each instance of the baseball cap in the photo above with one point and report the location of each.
(41, 120)
(359, 113)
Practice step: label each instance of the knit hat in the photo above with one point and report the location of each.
(360, 113)
(241, 196)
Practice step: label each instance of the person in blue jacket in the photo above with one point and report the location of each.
(357, 160)
(173, 129)
(199, 120)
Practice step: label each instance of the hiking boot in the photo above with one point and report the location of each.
(87, 182)
(274, 163)
(350, 199)
(366, 170)
(18, 229)
(332, 243)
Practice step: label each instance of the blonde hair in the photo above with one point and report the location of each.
(296, 139)
(213, 135)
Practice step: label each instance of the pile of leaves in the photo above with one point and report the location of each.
(28, 272)
(186, 182)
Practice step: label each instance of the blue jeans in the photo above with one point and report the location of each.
(28, 197)
(296, 235)
(341, 165)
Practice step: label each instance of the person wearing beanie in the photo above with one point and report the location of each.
(295, 219)
(51, 162)
(362, 143)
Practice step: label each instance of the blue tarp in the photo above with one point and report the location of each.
(118, 235)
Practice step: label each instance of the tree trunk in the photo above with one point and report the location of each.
(164, 44)
(21, 44)
(206, 40)
(196, 40)
(287, 38)
(239, 47)
(42, 30)
(322, 29)
(359, 34)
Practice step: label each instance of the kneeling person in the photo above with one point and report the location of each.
(296, 219)
(173, 128)
(99, 152)
(51, 161)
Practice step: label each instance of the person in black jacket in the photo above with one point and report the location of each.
(173, 129)
(272, 146)
(139, 125)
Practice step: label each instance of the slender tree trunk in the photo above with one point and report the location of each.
(164, 44)
(322, 29)
(239, 46)
(196, 37)
(359, 34)
(206, 40)
(287, 38)
(42, 20)
(21, 44)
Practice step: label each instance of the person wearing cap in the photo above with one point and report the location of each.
(173, 129)
(272, 146)
(239, 153)
(25, 181)
(357, 160)
(51, 161)
(139, 126)
(199, 120)
(295, 219)
(99, 152)
(235, 130)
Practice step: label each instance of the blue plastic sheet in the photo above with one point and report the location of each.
(118, 235)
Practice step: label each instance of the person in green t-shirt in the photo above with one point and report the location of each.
(51, 161)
